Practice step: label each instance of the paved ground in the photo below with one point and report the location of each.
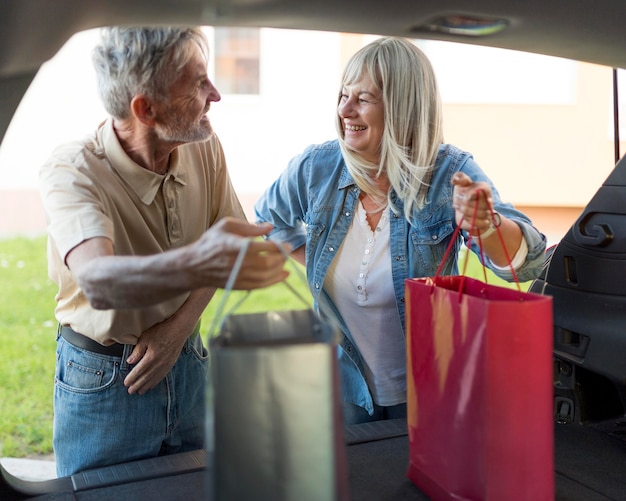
(30, 469)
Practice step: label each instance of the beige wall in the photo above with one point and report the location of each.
(549, 160)
(543, 155)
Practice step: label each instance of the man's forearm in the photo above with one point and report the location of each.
(127, 282)
(192, 309)
(110, 281)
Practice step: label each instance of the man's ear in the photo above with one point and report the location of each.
(142, 108)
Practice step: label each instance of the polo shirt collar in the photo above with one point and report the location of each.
(143, 182)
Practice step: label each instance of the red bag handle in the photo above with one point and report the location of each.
(455, 235)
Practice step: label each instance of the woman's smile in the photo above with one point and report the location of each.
(363, 114)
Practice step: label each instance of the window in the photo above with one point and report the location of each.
(237, 53)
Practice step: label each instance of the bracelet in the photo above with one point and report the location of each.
(495, 223)
(487, 233)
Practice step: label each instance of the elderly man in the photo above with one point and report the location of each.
(144, 224)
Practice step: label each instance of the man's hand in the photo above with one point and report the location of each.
(214, 254)
(155, 354)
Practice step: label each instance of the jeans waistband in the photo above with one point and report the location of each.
(85, 343)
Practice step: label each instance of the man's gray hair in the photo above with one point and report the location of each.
(141, 60)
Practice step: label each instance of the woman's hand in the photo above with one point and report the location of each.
(466, 200)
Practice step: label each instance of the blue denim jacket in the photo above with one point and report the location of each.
(313, 202)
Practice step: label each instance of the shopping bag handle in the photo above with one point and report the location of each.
(228, 288)
(455, 235)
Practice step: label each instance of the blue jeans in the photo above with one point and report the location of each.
(97, 423)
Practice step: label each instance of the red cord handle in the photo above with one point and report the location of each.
(455, 235)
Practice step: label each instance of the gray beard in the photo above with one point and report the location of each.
(176, 131)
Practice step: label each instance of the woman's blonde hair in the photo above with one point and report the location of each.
(413, 127)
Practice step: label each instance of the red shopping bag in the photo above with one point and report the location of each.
(479, 368)
(480, 390)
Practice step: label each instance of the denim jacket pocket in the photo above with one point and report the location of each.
(429, 245)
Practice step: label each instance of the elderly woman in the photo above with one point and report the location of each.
(380, 204)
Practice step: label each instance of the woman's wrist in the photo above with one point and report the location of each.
(494, 224)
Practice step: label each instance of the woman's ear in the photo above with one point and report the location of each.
(142, 108)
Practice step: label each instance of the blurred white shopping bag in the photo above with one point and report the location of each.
(275, 429)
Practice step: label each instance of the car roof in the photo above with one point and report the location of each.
(32, 31)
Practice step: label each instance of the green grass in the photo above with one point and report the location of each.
(27, 339)
(27, 346)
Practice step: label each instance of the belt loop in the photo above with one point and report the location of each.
(128, 349)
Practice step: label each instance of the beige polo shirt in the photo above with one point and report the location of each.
(92, 189)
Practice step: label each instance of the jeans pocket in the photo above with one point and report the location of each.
(80, 371)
